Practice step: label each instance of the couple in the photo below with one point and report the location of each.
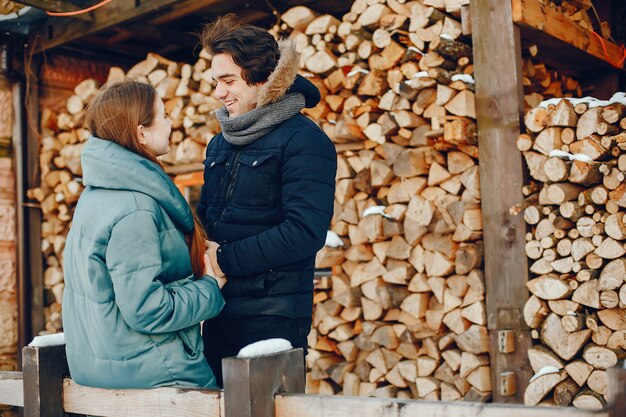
(140, 276)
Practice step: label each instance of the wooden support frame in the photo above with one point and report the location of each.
(168, 401)
(63, 30)
(268, 386)
(44, 370)
(250, 384)
(498, 72)
(12, 389)
(57, 6)
(30, 256)
(536, 16)
(339, 406)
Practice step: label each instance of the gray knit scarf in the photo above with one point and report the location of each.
(248, 127)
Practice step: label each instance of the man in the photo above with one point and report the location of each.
(268, 192)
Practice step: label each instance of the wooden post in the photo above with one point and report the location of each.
(28, 172)
(617, 390)
(44, 369)
(251, 383)
(499, 103)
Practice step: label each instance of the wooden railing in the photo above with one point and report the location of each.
(264, 386)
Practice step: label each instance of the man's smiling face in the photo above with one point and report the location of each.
(232, 90)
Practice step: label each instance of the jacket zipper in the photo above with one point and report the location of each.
(229, 191)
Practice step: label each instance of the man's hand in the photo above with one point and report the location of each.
(208, 270)
(212, 253)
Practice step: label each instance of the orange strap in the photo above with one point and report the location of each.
(606, 53)
(77, 12)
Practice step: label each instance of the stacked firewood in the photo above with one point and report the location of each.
(186, 92)
(576, 210)
(542, 82)
(403, 312)
(577, 11)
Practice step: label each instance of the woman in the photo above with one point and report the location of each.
(137, 281)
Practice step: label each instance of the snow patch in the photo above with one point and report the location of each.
(264, 347)
(572, 157)
(592, 102)
(333, 240)
(548, 369)
(48, 340)
(375, 210)
(466, 78)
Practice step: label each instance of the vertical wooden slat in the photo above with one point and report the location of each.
(44, 369)
(18, 157)
(32, 266)
(251, 383)
(499, 102)
(617, 390)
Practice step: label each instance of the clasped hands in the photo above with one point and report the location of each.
(212, 267)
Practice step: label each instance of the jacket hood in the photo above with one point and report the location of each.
(285, 79)
(108, 165)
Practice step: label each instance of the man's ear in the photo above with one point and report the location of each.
(141, 135)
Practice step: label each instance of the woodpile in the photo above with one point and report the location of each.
(576, 209)
(542, 82)
(403, 314)
(186, 91)
(578, 11)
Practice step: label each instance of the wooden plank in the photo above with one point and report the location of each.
(250, 384)
(499, 96)
(339, 406)
(61, 31)
(58, 7)
(23, 328)
(29, 176)
(43, 371)
(11, 389)
(617, 390)
(183, 8)
(192, 402)
(535, 15)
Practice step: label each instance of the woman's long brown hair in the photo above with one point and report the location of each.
(114, 114)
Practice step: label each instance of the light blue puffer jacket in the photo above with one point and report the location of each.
(131, 307)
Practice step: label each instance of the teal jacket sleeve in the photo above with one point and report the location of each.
(133, 258)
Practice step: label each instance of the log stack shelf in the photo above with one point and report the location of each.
(560, 38)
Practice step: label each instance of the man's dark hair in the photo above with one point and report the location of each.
(253, 49)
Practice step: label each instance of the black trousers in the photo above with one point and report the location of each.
(224, 338)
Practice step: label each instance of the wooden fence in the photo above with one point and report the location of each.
(264, 386)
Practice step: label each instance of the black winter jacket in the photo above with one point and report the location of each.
(269, 204)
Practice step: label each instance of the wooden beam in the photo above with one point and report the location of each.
(30, 251)
(335, 406)
(617, 390)
(250, 384)
(174, 401)
(61, 30)
(50, 5)
(498, 72)
(11, 389)
(184, 8)
(57, 6)
(23, 328)
(44, 369)
(537, 16)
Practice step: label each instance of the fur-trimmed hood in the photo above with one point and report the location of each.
(285, 79)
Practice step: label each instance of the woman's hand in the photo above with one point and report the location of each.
(208, 270)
